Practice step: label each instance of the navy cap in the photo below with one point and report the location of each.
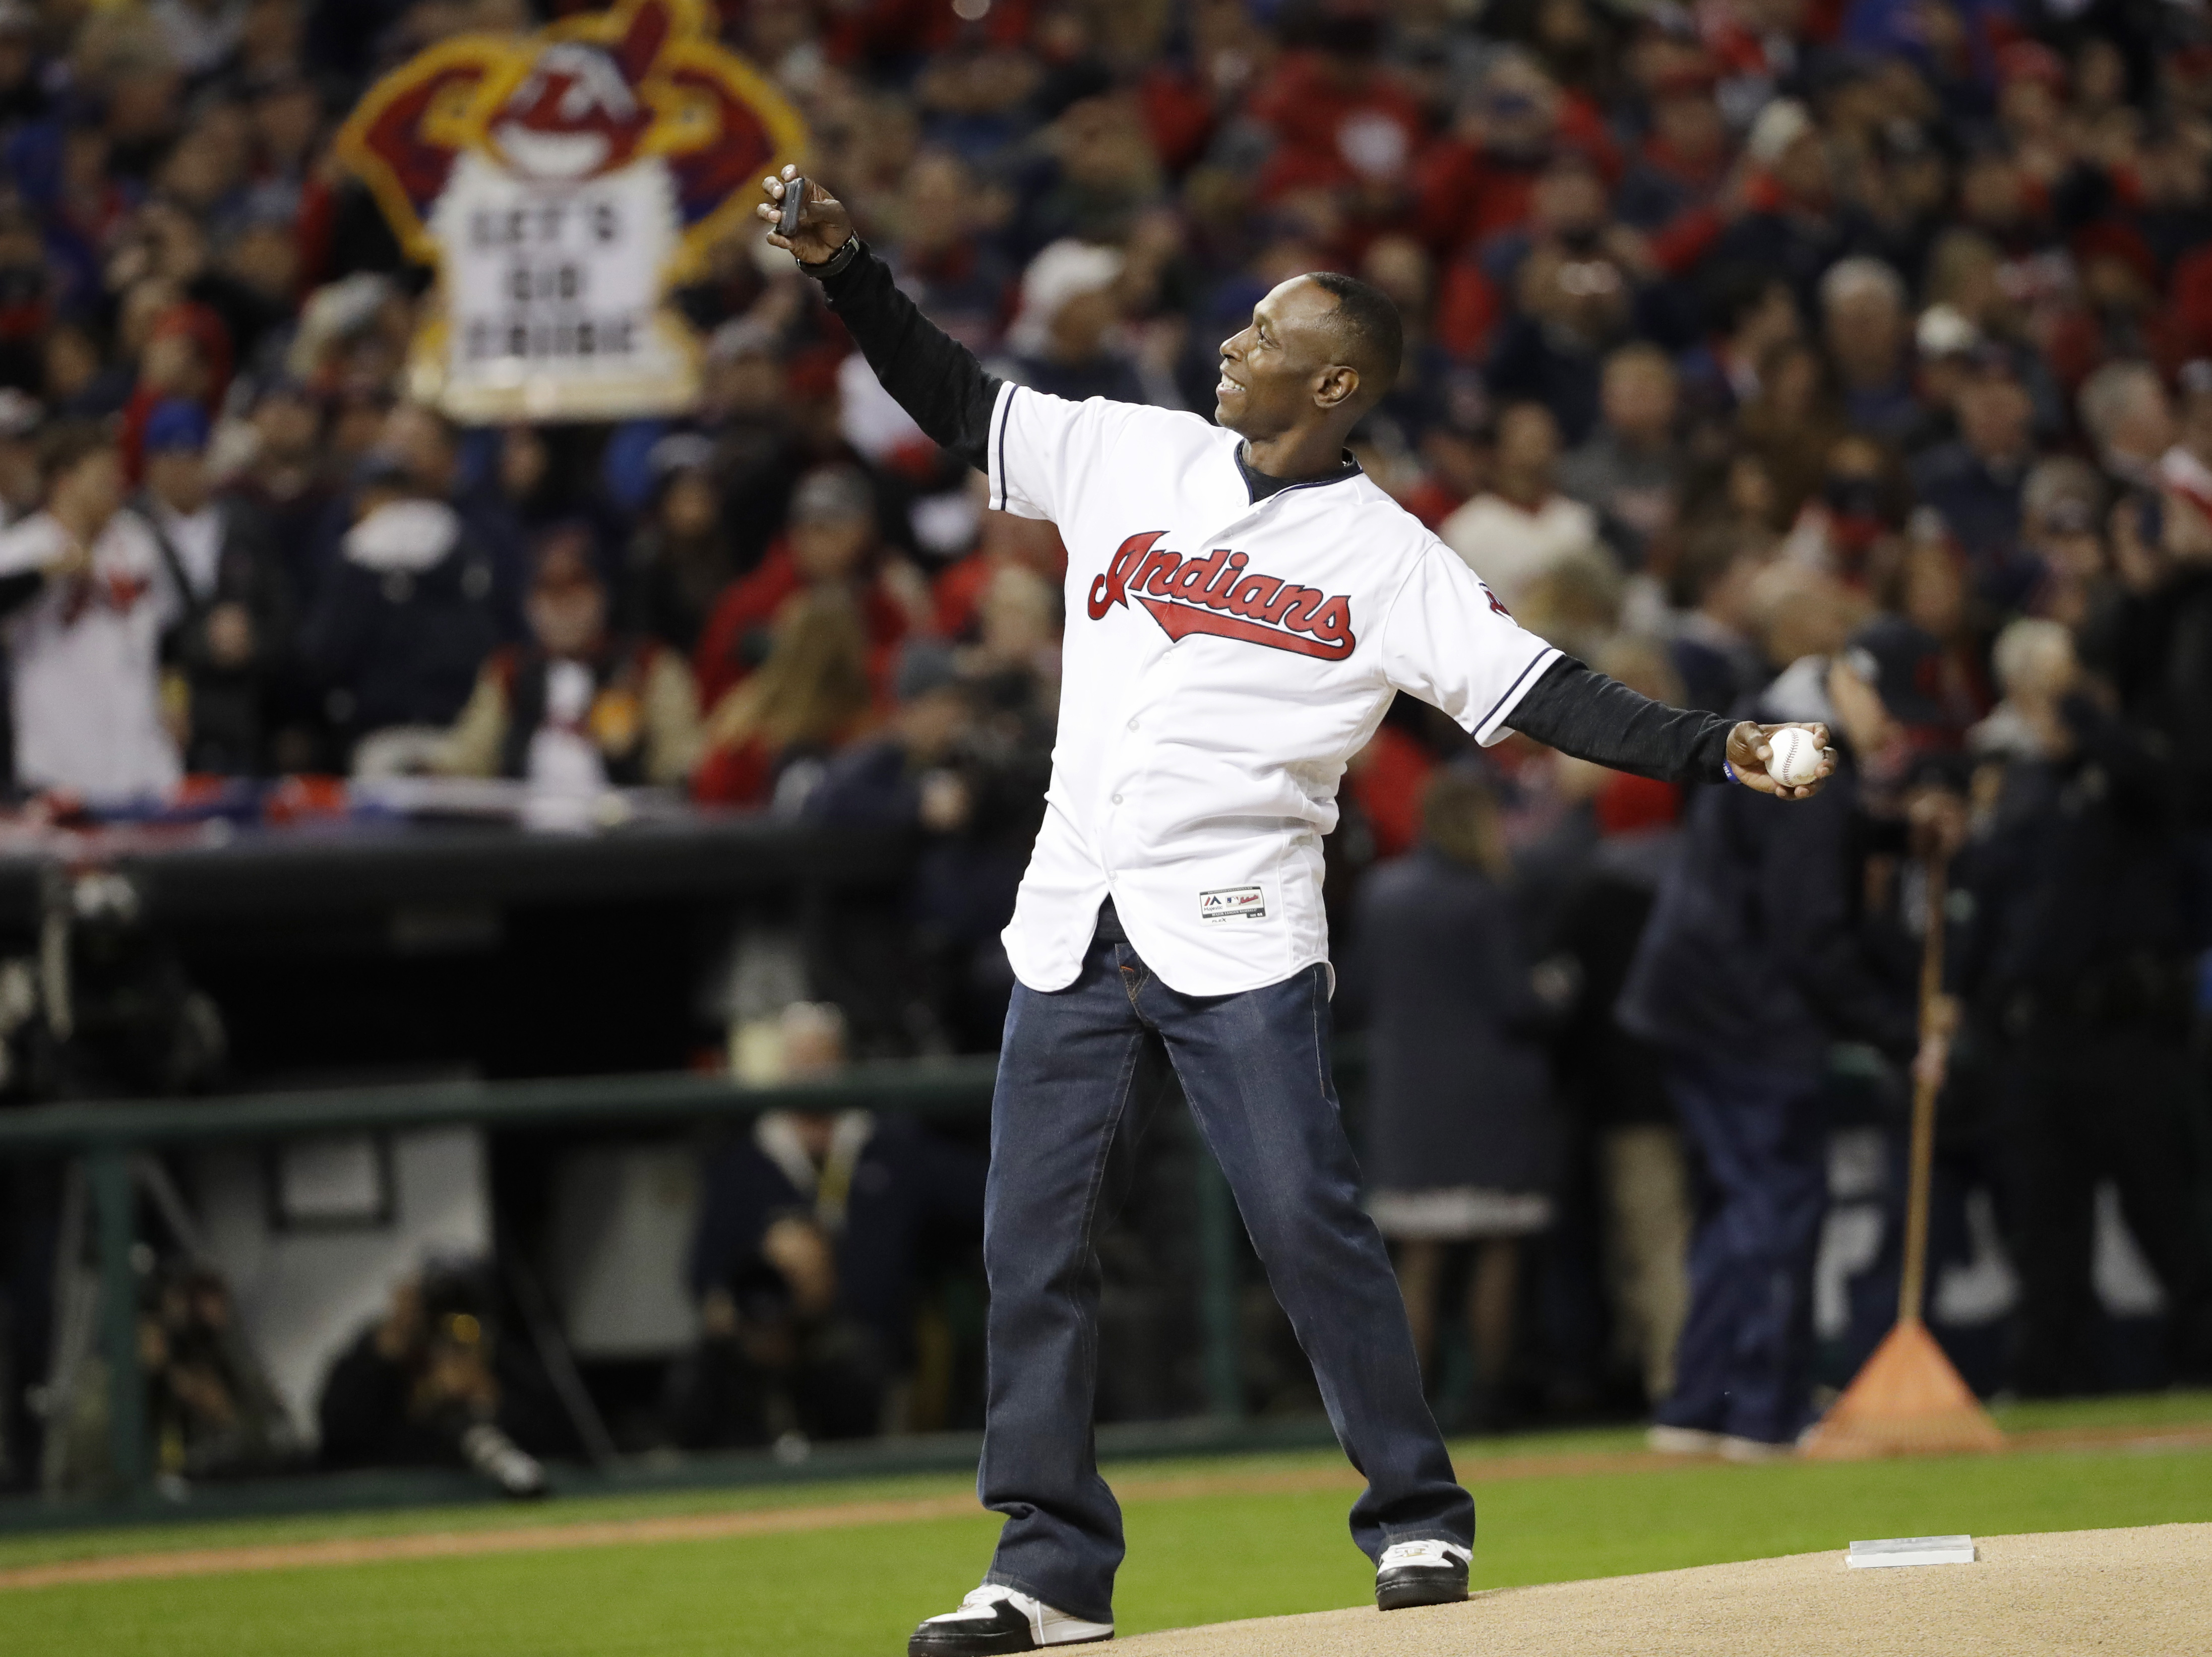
(177, 422)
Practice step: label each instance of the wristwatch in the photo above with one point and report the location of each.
(836, 263)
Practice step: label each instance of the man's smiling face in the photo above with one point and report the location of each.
(1272, 372)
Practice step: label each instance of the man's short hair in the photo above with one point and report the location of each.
(1368, 321)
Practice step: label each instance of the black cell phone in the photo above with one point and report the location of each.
(794, 198)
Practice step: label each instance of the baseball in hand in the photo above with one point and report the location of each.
(1796, 757)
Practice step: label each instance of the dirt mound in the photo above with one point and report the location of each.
(2144, 1593)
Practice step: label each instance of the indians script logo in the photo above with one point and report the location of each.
(1214, 594)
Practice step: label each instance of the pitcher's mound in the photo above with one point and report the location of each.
(2144, 1593)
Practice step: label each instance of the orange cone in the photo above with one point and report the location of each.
(1908, 1400)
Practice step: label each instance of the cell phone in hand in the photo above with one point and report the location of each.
(794, 199)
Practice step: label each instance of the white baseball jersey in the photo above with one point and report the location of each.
(1222, 660)
(84, 663)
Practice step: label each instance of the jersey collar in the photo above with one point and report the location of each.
(1259, 486)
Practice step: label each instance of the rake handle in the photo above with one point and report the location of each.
(1912, 1285)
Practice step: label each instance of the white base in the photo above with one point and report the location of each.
(1913, 1551)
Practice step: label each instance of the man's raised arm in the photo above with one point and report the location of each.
(931, 375)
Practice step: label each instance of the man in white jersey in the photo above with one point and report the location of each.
(1242, 604)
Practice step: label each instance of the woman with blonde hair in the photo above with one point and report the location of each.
(768, 733)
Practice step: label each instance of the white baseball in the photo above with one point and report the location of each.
(1796, 757)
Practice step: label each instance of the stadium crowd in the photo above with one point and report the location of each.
(1847, 360)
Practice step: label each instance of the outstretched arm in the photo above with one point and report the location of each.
(1594, 718)
(931, 376)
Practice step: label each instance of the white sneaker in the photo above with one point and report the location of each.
(1423, 1573)
(993, 1619)
(1683, 1441)
(1733, 1448)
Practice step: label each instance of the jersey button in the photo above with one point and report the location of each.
(1133, 724)
(1117, 799)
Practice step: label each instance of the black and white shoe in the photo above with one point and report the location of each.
(1421, 1574)
(993, 1619)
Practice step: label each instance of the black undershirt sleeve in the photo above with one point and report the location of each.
(1600, 719)
(931, 375)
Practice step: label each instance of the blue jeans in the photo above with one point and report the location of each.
(1744, 1365)
(1080, 1070)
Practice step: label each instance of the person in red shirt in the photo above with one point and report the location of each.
(1341, 121)
(832, 543)
(1480, 181)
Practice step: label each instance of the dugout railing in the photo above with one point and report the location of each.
(110, 1138)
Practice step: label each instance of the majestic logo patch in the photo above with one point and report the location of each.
(1233, 903)
(1215, 594)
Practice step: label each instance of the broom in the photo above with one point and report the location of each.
(1908, 1400)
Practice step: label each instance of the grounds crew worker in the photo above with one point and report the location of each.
(1243, 602)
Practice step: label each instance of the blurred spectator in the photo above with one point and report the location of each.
(1461, 1141)
(1522, 527)
(2126, 416)
(215, 1413)
(767, 738)
(813, 1227)
(1792, 229)
(20, 488)
(946, 259)
(1713, 654)
(2082, 976)
(88, 602)
(287, 477)
(402, 622)
(2061, 508)
(1062, 335)
(1752, 966)
(576, 711)
(1924, 648)
(235, 636)
(961, 762)
(1609, 1081)
(436, 1379)
(1630, 472)
(1868, 336)
(680, 559)
(832, 547)
(1975, 481)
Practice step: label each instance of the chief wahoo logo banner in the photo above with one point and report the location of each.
(563, 182)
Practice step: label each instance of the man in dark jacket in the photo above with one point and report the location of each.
(407, 615)
(2079, 966)
(967, 777)
(233, 637)
(1753, 965)
(433, 1380)
(811, 1228)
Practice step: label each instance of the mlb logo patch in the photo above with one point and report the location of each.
(1233, 903)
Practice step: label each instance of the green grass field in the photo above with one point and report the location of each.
(1193, 1558)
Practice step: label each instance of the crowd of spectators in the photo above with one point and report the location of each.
(1847, 358)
